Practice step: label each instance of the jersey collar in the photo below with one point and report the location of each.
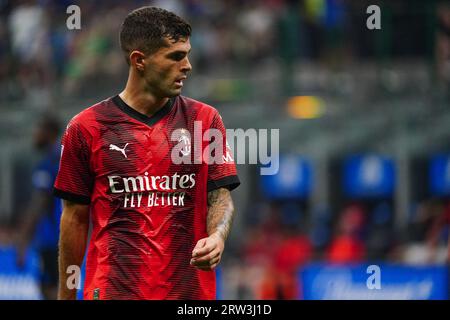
(150, 121)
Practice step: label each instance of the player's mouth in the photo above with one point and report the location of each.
(179, 81)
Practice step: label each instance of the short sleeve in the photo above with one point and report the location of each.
(74, 181)
(222, 174)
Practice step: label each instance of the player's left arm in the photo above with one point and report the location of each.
(208, 251)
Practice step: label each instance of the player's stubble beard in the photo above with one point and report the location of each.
(160, 83)
(162, 89)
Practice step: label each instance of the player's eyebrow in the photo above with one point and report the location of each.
(180, 51)
(178, 54)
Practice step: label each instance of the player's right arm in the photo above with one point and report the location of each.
(72, 244)
(74, 184)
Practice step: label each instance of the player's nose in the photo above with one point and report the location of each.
(187, 67)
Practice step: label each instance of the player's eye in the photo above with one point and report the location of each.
(177, 56)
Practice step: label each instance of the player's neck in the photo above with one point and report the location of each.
(142, 101)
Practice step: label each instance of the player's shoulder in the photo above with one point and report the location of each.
(198, 106)
(89, 115)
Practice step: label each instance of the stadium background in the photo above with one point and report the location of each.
(364, 120)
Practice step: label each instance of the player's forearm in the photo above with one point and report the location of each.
(38, 207)
(220, 213)
(72, 245)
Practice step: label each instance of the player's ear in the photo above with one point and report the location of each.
(137, 60)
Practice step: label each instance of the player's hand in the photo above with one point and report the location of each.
(208, 252)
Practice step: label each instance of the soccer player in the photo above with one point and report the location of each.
(158, 228)
(40, 222)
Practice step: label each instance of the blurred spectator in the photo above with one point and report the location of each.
(29, 32)
(438, 233)
(28, 26)
(40, 223)
(280, 248)
(256, 23)
(430, 230)
(263, 241)
(347, 245)
(277, 285)
(294, 251)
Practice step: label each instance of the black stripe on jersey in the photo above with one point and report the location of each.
(71, 196)
(142, 117)
(229, 182)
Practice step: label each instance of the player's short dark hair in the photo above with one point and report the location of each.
(146, 29)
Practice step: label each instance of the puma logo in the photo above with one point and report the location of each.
(116, 148)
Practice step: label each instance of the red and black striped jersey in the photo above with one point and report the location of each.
(147, 211)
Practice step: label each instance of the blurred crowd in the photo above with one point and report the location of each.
(284, 240)
(40, 59)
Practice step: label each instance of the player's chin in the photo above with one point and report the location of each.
(175, 91)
